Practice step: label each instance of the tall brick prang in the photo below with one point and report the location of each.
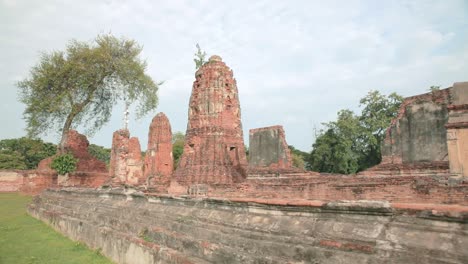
(159, 162)
(214, 151)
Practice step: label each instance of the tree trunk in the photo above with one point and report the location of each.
(65, 130)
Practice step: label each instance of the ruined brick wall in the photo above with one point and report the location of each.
(457, 130)
(10, 180)
(126, 165)
(77, 144)
(131, 227)
(268, 148)
(214, 151)
(405, 189)
(159, 162)
(418, 134)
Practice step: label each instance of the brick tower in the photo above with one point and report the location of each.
(214, 151)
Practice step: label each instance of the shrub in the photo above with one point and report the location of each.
(64, 164)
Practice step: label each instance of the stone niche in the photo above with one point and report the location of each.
(268, 148)
(214, 151)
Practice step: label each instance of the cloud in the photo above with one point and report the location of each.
(296, 63)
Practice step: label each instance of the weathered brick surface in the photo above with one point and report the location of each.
(10, 180)
(126, 165)
(131, 227)
(268, 148)
(77, 144)
(457, 130)
(214, 151)
(159, 163)
(418, 134)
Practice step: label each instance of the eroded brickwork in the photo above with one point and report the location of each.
(268, 148)
(457, 130)
(159, 163)
(126, 166)
(77, 144)
(214, 151)
(418, 134)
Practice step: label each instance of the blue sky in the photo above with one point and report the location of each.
(297, 63)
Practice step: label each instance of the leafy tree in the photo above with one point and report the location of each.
(336, 149)
(378, 112)
(352, 143)
(178, 141)
(29, 151)
(100, 153)
(12, 160)
(299, 157)
(297, 161)
(80, 86)
(199, 57)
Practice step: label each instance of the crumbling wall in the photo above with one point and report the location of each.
(214, 151)
(133, 228)
(418, 133)
(159, 162)
(77, 144)
(126, 165)
(457, 130)
(10, 180)
(268, 148)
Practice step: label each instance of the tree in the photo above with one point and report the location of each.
(29, 151)
(80, 86)
(352, 142)
(178, 141)
(378, 112)
(336, 149)
(299, 157)
(12, 161)
(199, 57)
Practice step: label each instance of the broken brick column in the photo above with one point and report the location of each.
(214, 151)
(159, 163)
(126, 166)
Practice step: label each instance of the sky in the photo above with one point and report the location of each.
(297, 63)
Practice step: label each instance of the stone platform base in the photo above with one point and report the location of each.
(130, 227)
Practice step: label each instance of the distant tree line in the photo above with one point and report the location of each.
(26, 153)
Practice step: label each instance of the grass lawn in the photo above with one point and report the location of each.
(23, 239)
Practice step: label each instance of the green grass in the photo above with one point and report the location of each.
(24, 239)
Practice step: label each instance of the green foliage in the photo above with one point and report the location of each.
(352, 143)
(26, 240)
(24, 153)
(199, 57)
(64, 164)
(299, 157)
(12, 160)
(100, 153)
(178, 140)
(434, 88)
(80, 86)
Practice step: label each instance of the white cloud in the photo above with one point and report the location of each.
(297, 63)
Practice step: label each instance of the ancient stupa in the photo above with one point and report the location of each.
(214, 151)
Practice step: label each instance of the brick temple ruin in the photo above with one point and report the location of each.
(217, 206)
